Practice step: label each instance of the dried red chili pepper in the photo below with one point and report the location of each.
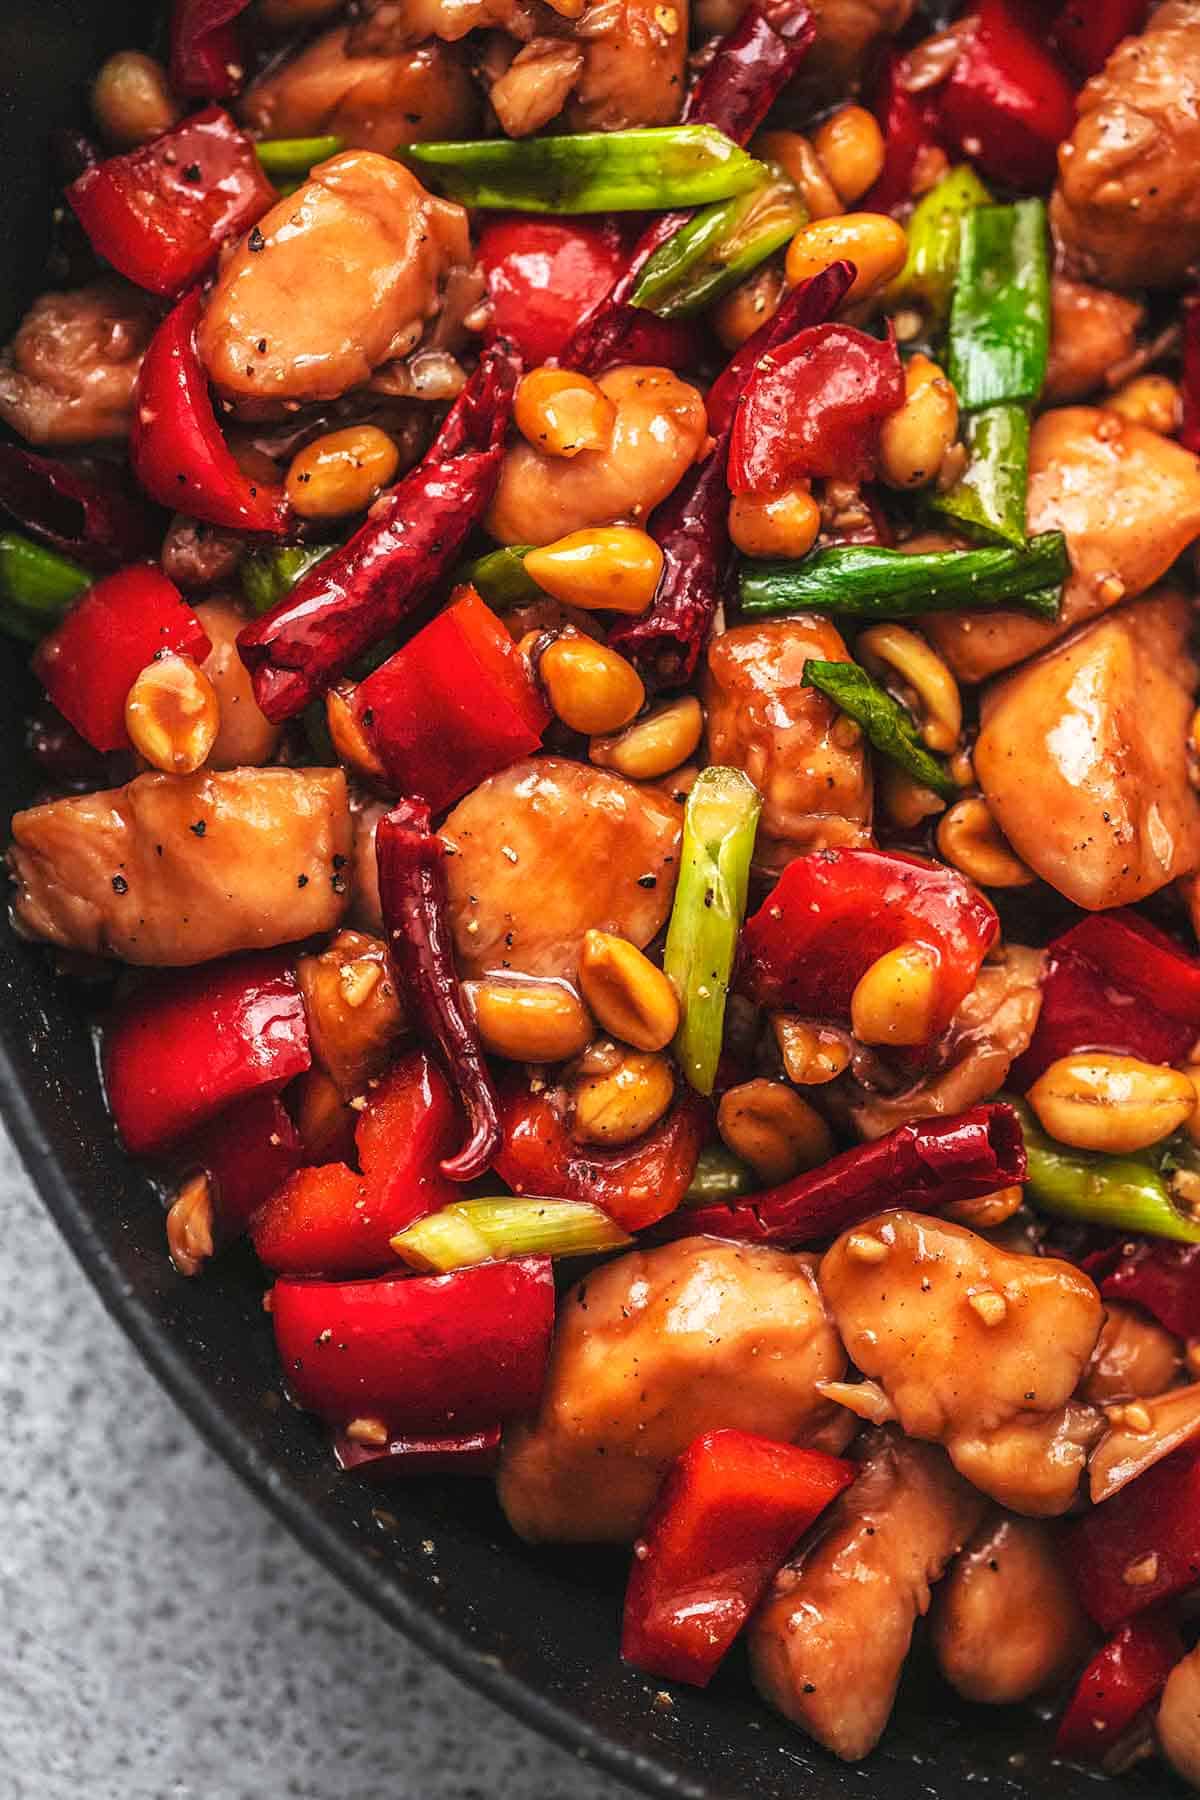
(1161, 1277)
(1007, 103)
(412, 894)
(1087, 32)
(1189, 434)
(86, 511)
(401, 1458)
(1124, 1678)
(810, 303)
(206, 55)
(926, 1163)
(413, 537)
(908, 122)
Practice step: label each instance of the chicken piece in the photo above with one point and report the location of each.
(177, 869)
(247, 738)
(1179, 1719)
(545, 851)
(847, 33)
(68, 375)
(811, 766)
(383, 27)
(975, 1348)
(992, 1027)
(1083, 756)
(1006, 1621)
(354, 1013)
(1139, 1436)
(1134, 1357)
(1126, 210)
(336, 279)
(828, 1643)
(650, 1351)
(1128, 502)
(196, 556)
(634, 65)
(533, 89)
(659, 431)
(1091, 332)
(373, 102)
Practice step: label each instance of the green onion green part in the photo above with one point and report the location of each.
(500, 578)
(718, 248)
(989, 499)
(1123, 1193)
(720, 821)
(720, 1175)
(869, 583)
(649, 170)
(267, 575)
(999, 338)
(290, 159)
(475, 1231)
(886, 723)
(36, 586)
(931, 266)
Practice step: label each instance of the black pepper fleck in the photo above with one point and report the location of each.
(256, 241)
(120, 885)
(302, 881)
(199, 828)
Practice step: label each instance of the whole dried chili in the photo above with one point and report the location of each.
(412, 895)
(401, 1458)
(85, 511)
(1161, 1277)
(1189, 434)
(926, 1163)
(206, 54)
(692, 525)
(356, 594)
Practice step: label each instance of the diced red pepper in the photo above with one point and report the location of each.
(1114, 982)
(454, 705)
(248, 1150)
(88, 664)
(814, 406)
(159, 214)
(1189, 432)
(330, 1220)
(425, 1354)
(1087, 32)
(206, 54)
(635, 1186)
(175, 444)
(832, 914)
(1143, 1545)
(909, 125)
(86, 511)
(1149, 1272)
(1008, 102)
(1124, 1678)
(543, 275)
(401, 1458)
(926, 1163)
(730, 1509)
(183, 1046)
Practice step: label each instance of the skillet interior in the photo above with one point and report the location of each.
(536, 1631)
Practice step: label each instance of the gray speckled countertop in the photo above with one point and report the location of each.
(164, 1639)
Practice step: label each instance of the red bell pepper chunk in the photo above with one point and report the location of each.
(814, 406)
(1124, 1678)
(88, 664)
(926, 1163)
(909, 125)
(1189, 433)
(468, 1453)
(1087, 32)
(159, 214)
(175, 445)
(635, 1186)
(180, 1048)
(1141, 1546)
(543, 275)
(206, 57)
(1008, 102)
(426, 1354)
(832, 914)
(1161, 1277)
(86, 511)
(454, 705)
(330, 1220)
(247, 1151)
(731, 1507)
(1114, 982)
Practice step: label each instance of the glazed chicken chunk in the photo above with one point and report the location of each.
(649, 1352)
(828, 1643)
(974, 1348)
(176, 869)
(335, 280)
(69, 373)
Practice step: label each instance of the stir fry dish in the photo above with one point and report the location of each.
(616, 756)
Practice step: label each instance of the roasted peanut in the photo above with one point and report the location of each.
(874, 243)
(131, 100)
(622, 1099)
(1097, 1101)
(562, 413)
(851, 148)
(190, 1225)
(783, 524)
(794, 154)
(812, 1054)
(915, 438)
(654, 745)
(627, 993)
(613, 567)
(341, 472)
(904, 799)
(1150, 400)
(529, 1021)
(970, 839)
(896, 649)
(590, 687)
(172, 715)
(894, 1000)
(989, 1211)
(772, 1128)
(349, 739)
(750, 304)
